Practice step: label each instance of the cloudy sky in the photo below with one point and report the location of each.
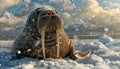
(14, 13)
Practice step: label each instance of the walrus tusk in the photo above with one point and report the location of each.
(43, 42)
(41, 29)
(58, 42)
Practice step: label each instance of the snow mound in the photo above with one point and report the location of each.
(104, 56)
(105, 39)
(6, 43)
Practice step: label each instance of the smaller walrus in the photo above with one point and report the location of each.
(44, 37)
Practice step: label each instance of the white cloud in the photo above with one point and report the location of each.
(64, 4)
(58, 1)
(66, 15)
(6, 3)
(101, 16)
(9, 19)
(114, 5)
(92, 5)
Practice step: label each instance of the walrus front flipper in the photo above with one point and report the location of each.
(79, 55)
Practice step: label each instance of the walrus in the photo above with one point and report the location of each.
(44, 37)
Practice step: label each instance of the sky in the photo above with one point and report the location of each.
(90, 13)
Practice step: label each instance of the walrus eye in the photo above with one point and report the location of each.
(37, 13)
(57, 12)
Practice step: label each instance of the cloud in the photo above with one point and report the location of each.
(6, 3)
(10, 20)
(93, 6)
(92, 12)
(114, 5)
(64, 4)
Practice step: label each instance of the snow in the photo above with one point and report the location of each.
(105, 56)
(105, 39)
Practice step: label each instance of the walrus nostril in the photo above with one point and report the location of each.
(52, 13)
(48, 13)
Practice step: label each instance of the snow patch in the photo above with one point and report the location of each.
(104, 56)
(105, 39)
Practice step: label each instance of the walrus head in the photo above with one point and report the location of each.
(48, 19)
(48, 22)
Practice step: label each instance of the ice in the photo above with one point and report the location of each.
(28, 66)
(104, 56)
(105, 39)
(6, 43)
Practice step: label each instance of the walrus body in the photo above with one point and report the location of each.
(44, 37)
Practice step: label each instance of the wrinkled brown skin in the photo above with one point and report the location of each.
(27, 39)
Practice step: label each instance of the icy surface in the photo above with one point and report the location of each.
(105, 39)
(105, 56)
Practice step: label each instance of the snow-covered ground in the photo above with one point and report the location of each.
(106, 55)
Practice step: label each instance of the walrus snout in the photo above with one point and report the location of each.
(49, 22)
